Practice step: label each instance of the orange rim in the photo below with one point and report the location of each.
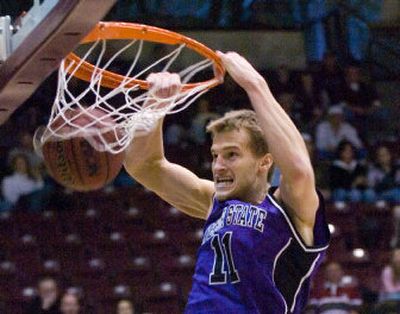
(119, 30)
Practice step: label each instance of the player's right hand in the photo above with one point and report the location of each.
(164, 85)
(240, 70)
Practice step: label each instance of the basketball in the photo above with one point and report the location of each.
(74, 162)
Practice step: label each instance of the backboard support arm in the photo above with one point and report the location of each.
(41, 52)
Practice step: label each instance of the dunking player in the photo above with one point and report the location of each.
(261, 245)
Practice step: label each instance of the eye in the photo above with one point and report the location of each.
(214, 156)
(232, 155)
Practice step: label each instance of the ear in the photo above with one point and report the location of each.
(266, 162)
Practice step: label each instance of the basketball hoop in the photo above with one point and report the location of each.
(123, 97)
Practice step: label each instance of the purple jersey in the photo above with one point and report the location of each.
(252, 260)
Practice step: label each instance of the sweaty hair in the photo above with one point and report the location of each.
(241, 119)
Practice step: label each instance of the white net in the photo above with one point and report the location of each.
(110, 118)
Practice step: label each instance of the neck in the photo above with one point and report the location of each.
(258, 195)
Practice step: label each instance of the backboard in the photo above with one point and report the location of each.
(32, 50)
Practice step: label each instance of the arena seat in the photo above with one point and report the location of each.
(161, 298)
(139, 273)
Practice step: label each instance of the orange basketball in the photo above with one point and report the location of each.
(74, 162)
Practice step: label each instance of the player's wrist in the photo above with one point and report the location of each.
(256, 85)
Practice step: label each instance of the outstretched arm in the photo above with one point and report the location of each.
(297, 189)
(145, 162)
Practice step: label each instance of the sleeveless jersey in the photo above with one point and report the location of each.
(252, 260)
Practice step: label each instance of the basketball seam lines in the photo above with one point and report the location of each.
(49, 164)
(76, 164)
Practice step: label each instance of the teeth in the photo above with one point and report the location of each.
(224, 180)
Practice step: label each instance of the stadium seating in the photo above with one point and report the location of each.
(129, 243)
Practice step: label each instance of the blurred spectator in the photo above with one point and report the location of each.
(23, 181)
(364, 13)
(361, 98)
(48, 301)
(203, 116)
(333, 130)
(25, 146)
(384, 175)
(348, 181)
(311, 15)
(320, 168)
(287, 102)
(363, 107)
(70, 304)
(226, 13)
(228, 97)
(335, 296)
(282, 81)
(390, 290)
(308, 99)
(331, 78)
(125, 307)
(174, 134)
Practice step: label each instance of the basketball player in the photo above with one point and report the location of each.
(260, 245)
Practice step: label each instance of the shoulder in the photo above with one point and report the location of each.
(9, 179)
(348, 127)
(274, 193)
(337, 164)
(311, 238)
(323, 125)
(387, 271)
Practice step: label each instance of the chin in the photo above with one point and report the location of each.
(223, 196)
(220, 197)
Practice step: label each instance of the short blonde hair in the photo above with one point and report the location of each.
(236, 120)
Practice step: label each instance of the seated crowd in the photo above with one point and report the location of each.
(50, 300)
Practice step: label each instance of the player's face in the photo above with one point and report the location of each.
(236, 169)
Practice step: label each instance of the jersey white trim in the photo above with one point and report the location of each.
(273, 270)
(308, 274)
(294, 232)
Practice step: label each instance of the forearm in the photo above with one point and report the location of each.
(284, 140)
(145, 150)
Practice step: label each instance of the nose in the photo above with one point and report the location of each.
(218, 164)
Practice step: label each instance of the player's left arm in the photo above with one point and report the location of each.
(297, 189)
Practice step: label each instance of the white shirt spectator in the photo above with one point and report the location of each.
(17, 185)
(332, 131)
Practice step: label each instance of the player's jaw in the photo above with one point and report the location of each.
(224, 185)
(235, 183)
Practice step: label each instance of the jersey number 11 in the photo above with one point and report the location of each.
(223, 255)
